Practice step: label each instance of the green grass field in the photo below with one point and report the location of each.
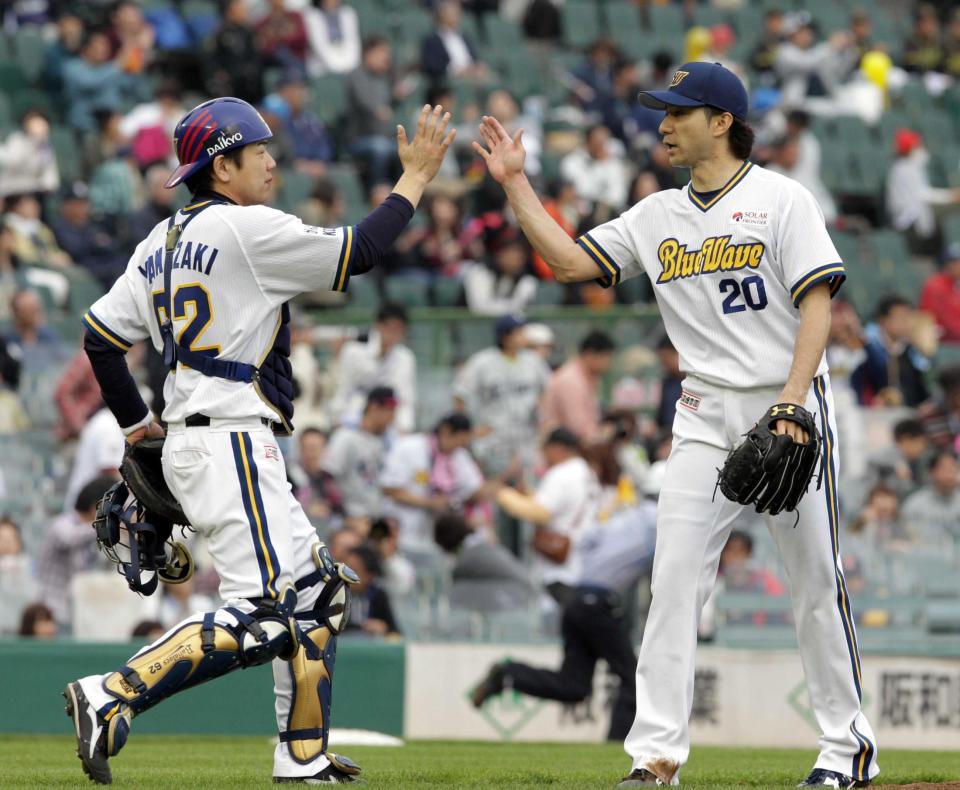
(213, 763)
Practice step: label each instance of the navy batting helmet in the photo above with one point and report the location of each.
(212, 128)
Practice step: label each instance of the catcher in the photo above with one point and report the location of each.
(210, 289)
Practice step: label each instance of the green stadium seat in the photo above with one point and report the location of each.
(31, 51)
(501, 38)
(328, 97)
(521, 73)
(948, 355)
(580, 22)
(346, 179)
(295, 188)
(12, 78)
(951, 228)
(410, 29)
(623, 25)
(447, 292)
(408, 291)
(549, 292)
(363, 292)
(64, 143)
(7, 121)
(6, 51)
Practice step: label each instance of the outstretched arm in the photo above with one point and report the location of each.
(504, 157)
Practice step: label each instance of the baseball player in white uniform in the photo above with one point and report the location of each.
(209, 288)
(743, 270)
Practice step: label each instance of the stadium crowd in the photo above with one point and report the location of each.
(471, 489)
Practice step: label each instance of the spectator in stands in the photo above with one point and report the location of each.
(313, 146)
(542, 22)
(399, 573)
(797, 156)
(738, 572)
(149, 126)
(132, 37)
(861, 30)
(17, 583)
(38, 346)
(911, 199)
(564, 505)
(281, 36)
(763, 58)
(447, 51)
(722, 40)
(670, 382)
(355, 457)
(502, 285)
(951, 46)
(932, 514)
(116, 183)
(69, 548)
(66, 46)
(499, 388)
(923, 49)
(99, 452)
(502, 105)
(381, 359)
(571, 399)
(371, 91)
(370, 609)
(179, 601)
(486, 577)
(342, 542)
(593, 86)
(903, 467)
(598, 170)
(540, 339)
(806, 68)
(159, 205)
(941, 416)
(235, 67)
(426, 474)
(93, 82)
(13, 417)
(34, 242)
(309, 480)
(894, 371)
(147, 631)
(325, 207)
(28, 163)
(436, 248)
(333, 32)
(37, 622)
(878, 528)
(563, 205)
(88, 243)
(941, 295)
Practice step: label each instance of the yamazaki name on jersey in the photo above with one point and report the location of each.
(196, 256)
(716, 255)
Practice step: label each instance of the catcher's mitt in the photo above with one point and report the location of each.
(143, 473)
(770, 471)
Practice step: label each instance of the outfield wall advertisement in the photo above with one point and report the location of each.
(743, 698)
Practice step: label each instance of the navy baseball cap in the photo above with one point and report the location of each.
(699, 84)
(508, 323)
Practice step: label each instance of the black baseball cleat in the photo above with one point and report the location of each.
(490, 686)
(821, 777)
(640, 777)
(98, 738)
(341, 771)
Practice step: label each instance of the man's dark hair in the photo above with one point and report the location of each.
(450, 530)
(563, 437)
(372, 42)
(949, 378)
(369, 557)
(939, 455)
(741, 135)
(92, 493)
(455, 423)
(392, 310)
(313, 429)
(908, 429)
(598, 342)
(742, 536)
(886, 305)
(203, 178)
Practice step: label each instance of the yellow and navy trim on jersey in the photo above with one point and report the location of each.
(861, 760)
(831, 271)
(347, 250)
(256, 513)
(95, 325)
(608, 266)
(706, 205)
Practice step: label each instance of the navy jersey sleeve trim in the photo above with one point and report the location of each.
(834, 272)
(98, 327)
(610, 269)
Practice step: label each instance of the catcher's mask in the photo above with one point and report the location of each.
(139, 543)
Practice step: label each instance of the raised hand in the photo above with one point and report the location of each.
(504, 156)
(421, 157)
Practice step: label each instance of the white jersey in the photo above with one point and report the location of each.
(728, 273)
(232, 270)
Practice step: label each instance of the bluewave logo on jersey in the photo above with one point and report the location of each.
(716, 254)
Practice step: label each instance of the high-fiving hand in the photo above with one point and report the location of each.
(504, 155)
(423, 155)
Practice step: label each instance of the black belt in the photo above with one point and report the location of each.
(202, 421)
